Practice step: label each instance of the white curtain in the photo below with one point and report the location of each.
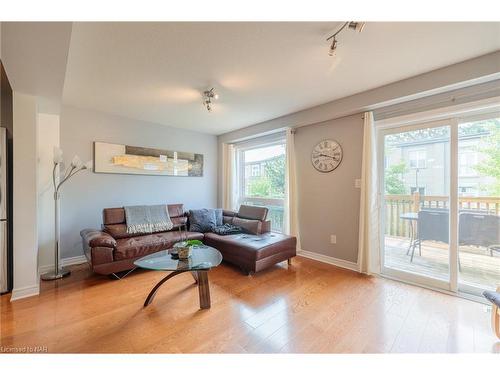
(369, 243)
(229, 196)
(290, 218)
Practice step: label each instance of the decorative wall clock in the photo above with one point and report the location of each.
(326, 155)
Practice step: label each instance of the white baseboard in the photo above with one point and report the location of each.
(64, 262)
(330, 260)
(25, 292)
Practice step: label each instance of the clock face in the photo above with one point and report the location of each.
(326, 155)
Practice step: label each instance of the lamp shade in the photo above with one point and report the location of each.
(76, 162)
(58, 155)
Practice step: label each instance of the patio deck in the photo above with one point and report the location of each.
(478, 268)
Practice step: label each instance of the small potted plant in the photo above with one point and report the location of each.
(183, 248)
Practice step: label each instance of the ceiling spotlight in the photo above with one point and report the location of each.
(333, 47)
(208, 95)
(356, 26)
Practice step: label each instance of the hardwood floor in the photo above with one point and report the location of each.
(310, 307)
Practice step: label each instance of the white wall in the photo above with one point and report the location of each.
(26, 280)
(84, 197)
(48, 138)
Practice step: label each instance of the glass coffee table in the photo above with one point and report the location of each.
(202, 259)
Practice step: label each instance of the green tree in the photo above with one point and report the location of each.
(394, 183)
(259, 187)
(490, 165)
(275, 173)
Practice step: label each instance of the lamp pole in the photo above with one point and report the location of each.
(76, 166)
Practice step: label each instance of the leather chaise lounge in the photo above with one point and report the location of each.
(112, 249)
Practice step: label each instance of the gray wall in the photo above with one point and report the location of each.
(84, 197)
(329, 202)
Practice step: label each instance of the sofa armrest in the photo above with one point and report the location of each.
(96, 238)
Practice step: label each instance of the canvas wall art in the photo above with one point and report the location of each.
(125, 159)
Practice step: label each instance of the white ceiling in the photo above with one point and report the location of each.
(156, 71)
(35, 56)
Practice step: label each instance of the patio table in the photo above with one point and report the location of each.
(413, 218)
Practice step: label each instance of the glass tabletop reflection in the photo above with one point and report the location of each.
(202, 258)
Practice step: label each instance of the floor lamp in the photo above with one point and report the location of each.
(75, 167)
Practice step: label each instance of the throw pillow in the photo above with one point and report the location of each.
(201, 220)
(218, 216)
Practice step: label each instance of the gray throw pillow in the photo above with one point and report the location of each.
(202, 220)
(218, 216)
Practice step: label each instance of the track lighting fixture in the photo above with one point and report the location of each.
(208, 95)
(356, 26)
(333, 47)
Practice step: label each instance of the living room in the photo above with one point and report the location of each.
(311, 186)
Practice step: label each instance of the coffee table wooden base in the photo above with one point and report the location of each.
(203, 289)
(200, 277)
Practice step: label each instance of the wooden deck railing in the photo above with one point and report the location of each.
(396, 205)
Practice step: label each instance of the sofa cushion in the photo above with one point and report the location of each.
(118, 231)
(146, 244)
(252, 212)
(228, 213)
(175, 210)
(179, 221)
(117, 215)
(202, 220)
(227, 219)
(248, 226)
(113, 216)
(250, 247)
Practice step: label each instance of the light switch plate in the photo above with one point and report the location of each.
(357, 183)
(333, 238)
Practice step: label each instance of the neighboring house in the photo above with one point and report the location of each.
(255, 170)
(428, 165)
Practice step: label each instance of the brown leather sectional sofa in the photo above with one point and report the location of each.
(112, 249)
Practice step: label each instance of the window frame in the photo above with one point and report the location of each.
(256, 143)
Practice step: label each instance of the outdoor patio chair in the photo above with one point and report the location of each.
(432, 225)
(479, 230)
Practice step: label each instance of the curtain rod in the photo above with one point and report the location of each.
(332, 119)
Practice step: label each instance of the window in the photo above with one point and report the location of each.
(467, 160)
(417, 159)
(255, 170)
(262, 177)
(468, 191)
(421, 190)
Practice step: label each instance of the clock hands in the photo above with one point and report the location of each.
(327, 156)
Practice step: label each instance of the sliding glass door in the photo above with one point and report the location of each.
(440, 212)
(416, 203)
(479, 204)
